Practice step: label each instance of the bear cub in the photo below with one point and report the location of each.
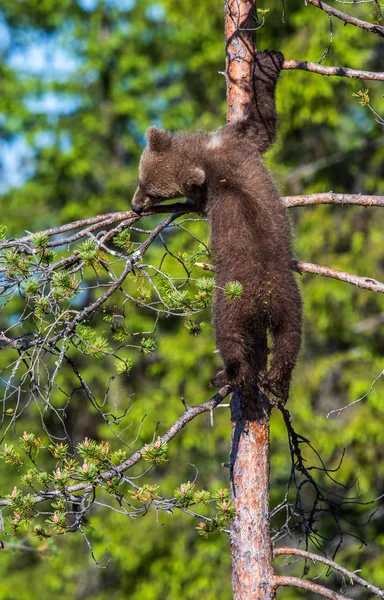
(223, 175)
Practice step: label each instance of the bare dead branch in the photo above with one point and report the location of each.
(332, 564)
(303, 65)
(365, 283)
(349, 19)
(333, 198)
(303, 584)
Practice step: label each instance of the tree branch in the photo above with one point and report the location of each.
(186, 417)
(303, 584)
(333, 198)
(376, 29)
(129, 217)
(365, 283)
(303, 65)
(333, 565)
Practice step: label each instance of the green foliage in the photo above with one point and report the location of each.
(233, 290)
(10, 456)
(155, 453)
(123, 366)
(185, 494)
(363, 96)
(30, 444)
(225, 513)
(42, 307)
(91, 343)
(64, 285)
(92, 451)
(193, 327)
(146, 493)
(40, 240)
(147, 346)
(123, 240)
(16, 264)
(3, 232)
(91, 254)
(31, 287)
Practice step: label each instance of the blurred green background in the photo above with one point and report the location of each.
(79, 83)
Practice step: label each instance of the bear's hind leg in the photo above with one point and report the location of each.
(286, 333)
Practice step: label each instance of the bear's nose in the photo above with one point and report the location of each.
(138, 201)
(137, 209)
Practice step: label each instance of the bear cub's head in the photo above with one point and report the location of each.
(166, 170)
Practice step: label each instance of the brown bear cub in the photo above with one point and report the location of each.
(223, 174)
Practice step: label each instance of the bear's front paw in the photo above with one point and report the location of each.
(268, 65)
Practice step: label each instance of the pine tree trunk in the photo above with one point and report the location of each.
(251, 548)
(252, 566)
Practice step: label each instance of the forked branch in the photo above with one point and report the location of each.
(314, 588)
(352, 577)
(348, 19)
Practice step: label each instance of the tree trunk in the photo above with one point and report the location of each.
(252, 567)
(251, 548)
(240, 38)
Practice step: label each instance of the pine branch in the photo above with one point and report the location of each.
(333, 565)
(190, 413)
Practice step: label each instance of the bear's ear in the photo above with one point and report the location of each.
(194, 176)
(158, 139)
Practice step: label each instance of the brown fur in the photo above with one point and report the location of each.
(223, 174)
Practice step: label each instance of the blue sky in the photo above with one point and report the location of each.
(48, 58)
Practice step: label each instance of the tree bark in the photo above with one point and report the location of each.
(252, 566)
(251, 548)
(240, 37)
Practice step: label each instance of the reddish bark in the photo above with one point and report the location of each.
(240, 47)
(252, 566)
